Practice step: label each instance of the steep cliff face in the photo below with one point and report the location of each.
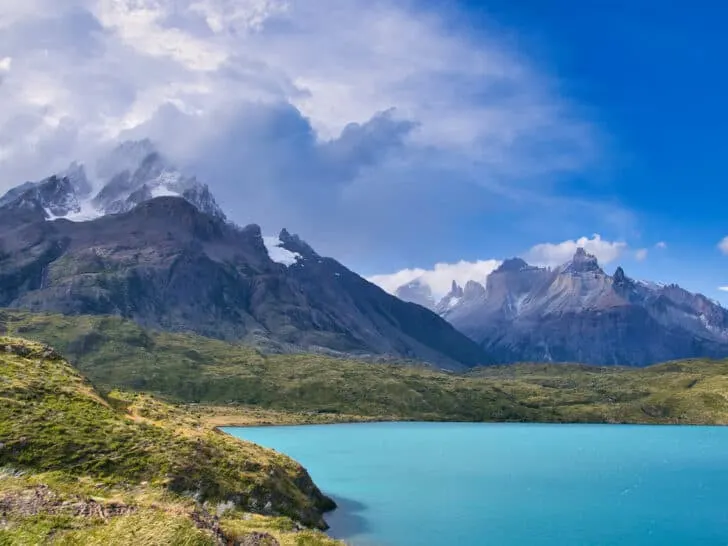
(168, 265)
(578, 313)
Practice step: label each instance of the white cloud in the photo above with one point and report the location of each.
(238, 15)
(5, 63)
(723, 288)
(113, 63)
(261, 95)
(555, 254)
(641, 254)
(661, 245)
(723, 245)
(440, 277)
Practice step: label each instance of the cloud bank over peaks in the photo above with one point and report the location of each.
(555, 254)
(440, 277)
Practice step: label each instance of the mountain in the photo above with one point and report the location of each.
(451, 299)
(173, 263)
(417, 292)
(137, 172)
(130, 174)
(578, 313)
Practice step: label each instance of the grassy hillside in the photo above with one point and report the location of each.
(302, 388)
(77, 467)
(687, 392)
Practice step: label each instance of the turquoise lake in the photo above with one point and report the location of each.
(433, 484)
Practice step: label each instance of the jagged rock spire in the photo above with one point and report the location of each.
(511, 264)
(582, 262)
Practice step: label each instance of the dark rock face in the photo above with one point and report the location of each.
(578, 313)
(167, 265)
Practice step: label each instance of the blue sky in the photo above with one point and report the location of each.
(399, 136)
(650, 72)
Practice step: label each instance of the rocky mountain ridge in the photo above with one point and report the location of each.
(578, 313)
(173, 262)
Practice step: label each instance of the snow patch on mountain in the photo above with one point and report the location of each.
(163, 191)
(85, 212)
(278, 254)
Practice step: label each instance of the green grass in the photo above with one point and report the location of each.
(72, 456)
(113, 464)
(312, 388)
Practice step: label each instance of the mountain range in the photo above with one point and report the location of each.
(133, 236)
(152, 245)
(578, 313)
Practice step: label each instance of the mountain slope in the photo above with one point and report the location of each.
(167, 265)
(578, 313)
(235, 385)
(80, 468)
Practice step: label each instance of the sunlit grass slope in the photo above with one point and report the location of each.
(81, 468)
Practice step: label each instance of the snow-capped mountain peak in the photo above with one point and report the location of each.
(130, 174)
(451, 299)
(146, 174)
(57, 196)
(277, 253)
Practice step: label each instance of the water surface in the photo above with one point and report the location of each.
(432, 484)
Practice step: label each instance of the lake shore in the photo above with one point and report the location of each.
(215, 416)
(218, 417)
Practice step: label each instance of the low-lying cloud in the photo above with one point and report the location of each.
(554, 254)
(440, 277)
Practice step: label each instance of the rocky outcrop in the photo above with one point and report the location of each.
(43, 500)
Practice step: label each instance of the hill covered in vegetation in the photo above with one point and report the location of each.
(246, 386)
(79, 467)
